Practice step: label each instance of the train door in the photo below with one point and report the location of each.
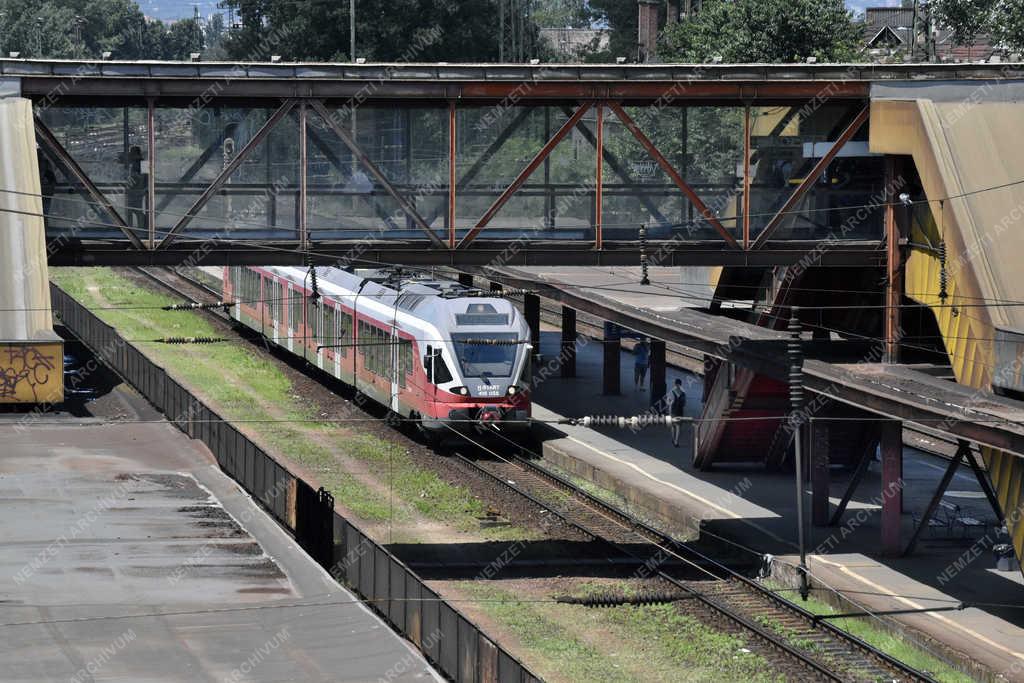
(293, 315)
(319, 318)
(393, 355)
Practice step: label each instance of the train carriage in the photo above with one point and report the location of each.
(437, 352)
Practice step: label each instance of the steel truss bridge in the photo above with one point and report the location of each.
(163, 163)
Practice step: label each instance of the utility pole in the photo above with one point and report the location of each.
(352, 30)
(796, 397)
(501, 31)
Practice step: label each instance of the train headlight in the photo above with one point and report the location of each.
(512, 390)
(461, 391)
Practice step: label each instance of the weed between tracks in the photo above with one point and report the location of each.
(626, 643)
(896, 646)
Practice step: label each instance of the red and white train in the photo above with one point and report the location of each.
(435, 351)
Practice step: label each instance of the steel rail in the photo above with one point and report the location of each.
(697, 558)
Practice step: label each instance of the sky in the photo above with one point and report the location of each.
(180, 9)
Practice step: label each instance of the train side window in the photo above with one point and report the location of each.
(345, 332)
(436, 369)
(441, 372)
(404, 361)
(295, 312)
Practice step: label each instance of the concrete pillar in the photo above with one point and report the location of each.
(612, 360)
(658, 385)
(531, 309)
(648, 28)
(568, 354)
(819, 442)
(32, 354)
(892, 485)
(466, 279)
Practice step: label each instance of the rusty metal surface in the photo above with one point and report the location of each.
(754, 82)
(889, 390)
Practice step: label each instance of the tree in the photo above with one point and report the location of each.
(1008, 24)
(561, 13)
(183, 38)
(84, 29)
(776, 31)
(620, 19)
(386, 30)
(967, 19)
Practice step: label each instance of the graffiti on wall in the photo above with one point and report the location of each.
(31, 372)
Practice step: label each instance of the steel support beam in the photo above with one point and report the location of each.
(986, 487)
(819, 463)
(611, 368)
(866, 458)
(963, 451)
(701, 207)
(531, 310)
(227, 171)
(892, 485)
(859, 120)
(378, 175)
(893, 268)
(303, 171)
(451, 175)
(151, 176)
(568, 349)
(659, 387)
(599, 177)
(524, 174)
(747, 151)
(54, 147)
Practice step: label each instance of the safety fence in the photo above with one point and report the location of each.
(451, 642)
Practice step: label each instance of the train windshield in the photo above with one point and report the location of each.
(486, 359)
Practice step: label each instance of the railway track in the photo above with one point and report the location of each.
(822, 649)
(827, 651)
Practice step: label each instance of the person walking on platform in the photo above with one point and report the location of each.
(642, 351)
(677, 404)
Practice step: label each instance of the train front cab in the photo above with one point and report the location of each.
(471, 404)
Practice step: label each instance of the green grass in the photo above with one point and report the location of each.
(894, 645)
(231, 374)
(636, 643)
(226, 374)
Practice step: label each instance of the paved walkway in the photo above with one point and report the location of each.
(127, 555)
(756, 509)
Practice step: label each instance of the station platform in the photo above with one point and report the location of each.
(127, 555)
(746, 507)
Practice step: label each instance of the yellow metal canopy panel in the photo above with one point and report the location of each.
(961, 149)
(31, 354)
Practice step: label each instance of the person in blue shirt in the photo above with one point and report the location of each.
(642, 352)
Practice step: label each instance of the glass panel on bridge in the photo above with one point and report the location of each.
(408, 146)
(496, 144)
(787, 142)
(705, 147)
(109, 144)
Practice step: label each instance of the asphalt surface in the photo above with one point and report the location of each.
(127, 555)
